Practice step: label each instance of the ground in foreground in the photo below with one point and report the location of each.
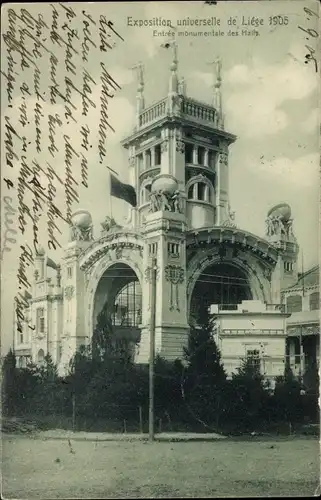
(49, 468)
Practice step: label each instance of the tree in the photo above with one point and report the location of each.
(9, 382)
(247, 396)
(205, 376)
(287, 398)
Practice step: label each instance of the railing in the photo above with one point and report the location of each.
(227, 307)
(153, 113)
(189, 107)
(198, 111)
(275, 307)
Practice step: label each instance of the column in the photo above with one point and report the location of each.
(207, 193)
(144, 161)
(206, 157)
(195, 154)
(195, 191)
(152, 156)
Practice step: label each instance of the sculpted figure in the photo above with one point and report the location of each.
(163, 201)
(176, 200)
(108, 223)
(154, 202)
(269, 226)
(289, 227)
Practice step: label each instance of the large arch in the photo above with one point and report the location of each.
(230, 270)
(119, 290)
(220, 283)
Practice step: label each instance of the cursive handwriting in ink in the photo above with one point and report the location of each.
(11, 33)
(52, 122)
(70, 192)
(107, 82)
(87, 36)
(9, 211)
(105, 29)
(9, 147)
(312, 33)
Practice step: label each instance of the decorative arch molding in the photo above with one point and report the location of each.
(258, 282)
(113, 241)
(135, 262)
(200, 178)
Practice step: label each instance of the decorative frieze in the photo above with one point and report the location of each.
(175, 275)
(69, 292)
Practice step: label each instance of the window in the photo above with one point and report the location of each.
(40, 320)
(199, 191)
(152, 249)
(253, 356)
(145, 193)
(128, 305)
(200, 155)
(173, 250)
(288, 267)
(294, 303)
(211, 159)
(158, 155)
(21, 338)
(314, 300)
(148, 159)
(41, 356)
(69, 272)
(188, 153)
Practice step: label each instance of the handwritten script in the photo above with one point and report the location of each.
(56, 84)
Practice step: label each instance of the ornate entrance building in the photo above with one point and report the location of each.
(178, 163)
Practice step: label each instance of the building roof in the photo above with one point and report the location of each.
(309, 278)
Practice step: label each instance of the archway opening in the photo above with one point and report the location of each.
(119, 295)
(220, 284)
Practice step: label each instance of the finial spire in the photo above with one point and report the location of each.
(140, 88)
(217, 97)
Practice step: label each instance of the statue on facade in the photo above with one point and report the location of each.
(276, 225)
(176, 202)
(159, 201)
(154, 202)
(79, 233)
(108, 223)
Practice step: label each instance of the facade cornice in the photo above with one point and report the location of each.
(232, 236)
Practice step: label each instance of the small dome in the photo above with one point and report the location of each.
(281, 210)
(40, 251)
(166, 183)
(81, 218)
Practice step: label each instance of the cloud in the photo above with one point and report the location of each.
(254, 94)
(310, 124)
(302, 172)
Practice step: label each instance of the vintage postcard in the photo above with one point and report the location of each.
(160, 319)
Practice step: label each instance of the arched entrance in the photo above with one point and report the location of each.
(119, 292)
(223, 284)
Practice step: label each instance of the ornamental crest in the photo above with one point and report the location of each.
(175, 275)
(69, 292)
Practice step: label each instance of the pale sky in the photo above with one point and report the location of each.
(270, 99)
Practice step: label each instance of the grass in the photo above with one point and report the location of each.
(44, 469)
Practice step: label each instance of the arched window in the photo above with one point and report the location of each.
(200, 191)
(294, 303)
(314, 300)
(128, 305)
(144, 193)
(41, 356)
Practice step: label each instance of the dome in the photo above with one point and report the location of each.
(281, 210)
(81, 218)
(166, 183)
(40, 251)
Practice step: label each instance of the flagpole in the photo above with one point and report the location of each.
(301, 327)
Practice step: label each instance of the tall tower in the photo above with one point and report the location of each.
(279, 231)
(178, 153)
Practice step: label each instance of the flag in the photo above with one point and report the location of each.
(123, 191)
